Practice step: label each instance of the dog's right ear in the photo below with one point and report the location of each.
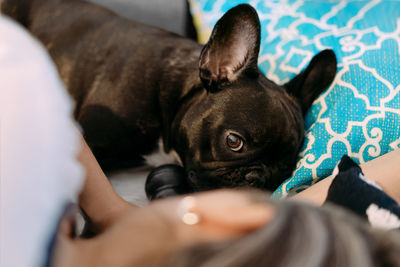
(232, 48)
(312, 81)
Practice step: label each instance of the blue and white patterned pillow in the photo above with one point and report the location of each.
(359, 114)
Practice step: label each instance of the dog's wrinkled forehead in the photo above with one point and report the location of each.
(258, 109)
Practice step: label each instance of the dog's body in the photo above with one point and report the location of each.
(100, 71)
(134, 84)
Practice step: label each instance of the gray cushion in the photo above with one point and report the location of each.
(170, 15)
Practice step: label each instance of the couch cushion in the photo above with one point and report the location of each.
(359, 114)
(170, 15)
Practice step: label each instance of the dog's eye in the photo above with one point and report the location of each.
(234, 142)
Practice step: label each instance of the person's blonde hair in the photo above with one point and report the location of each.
(301, 235)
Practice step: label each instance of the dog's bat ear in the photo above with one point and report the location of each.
(232, 48)
(315, 79)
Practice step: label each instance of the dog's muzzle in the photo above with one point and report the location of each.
(245, 176)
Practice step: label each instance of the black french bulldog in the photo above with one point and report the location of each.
(133, 84)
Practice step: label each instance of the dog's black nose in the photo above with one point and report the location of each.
(166, 180)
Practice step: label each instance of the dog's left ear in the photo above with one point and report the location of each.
(232, 48)
(312, 81)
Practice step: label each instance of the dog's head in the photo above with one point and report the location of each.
(243, 129)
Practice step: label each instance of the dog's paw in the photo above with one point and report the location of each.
(166, 180)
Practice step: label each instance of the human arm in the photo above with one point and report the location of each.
(98, 199)
(385, 171)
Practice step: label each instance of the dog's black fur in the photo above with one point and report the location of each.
(133, 84)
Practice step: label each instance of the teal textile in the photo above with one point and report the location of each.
(359, 114)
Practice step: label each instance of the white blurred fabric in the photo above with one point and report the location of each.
(38, 147)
